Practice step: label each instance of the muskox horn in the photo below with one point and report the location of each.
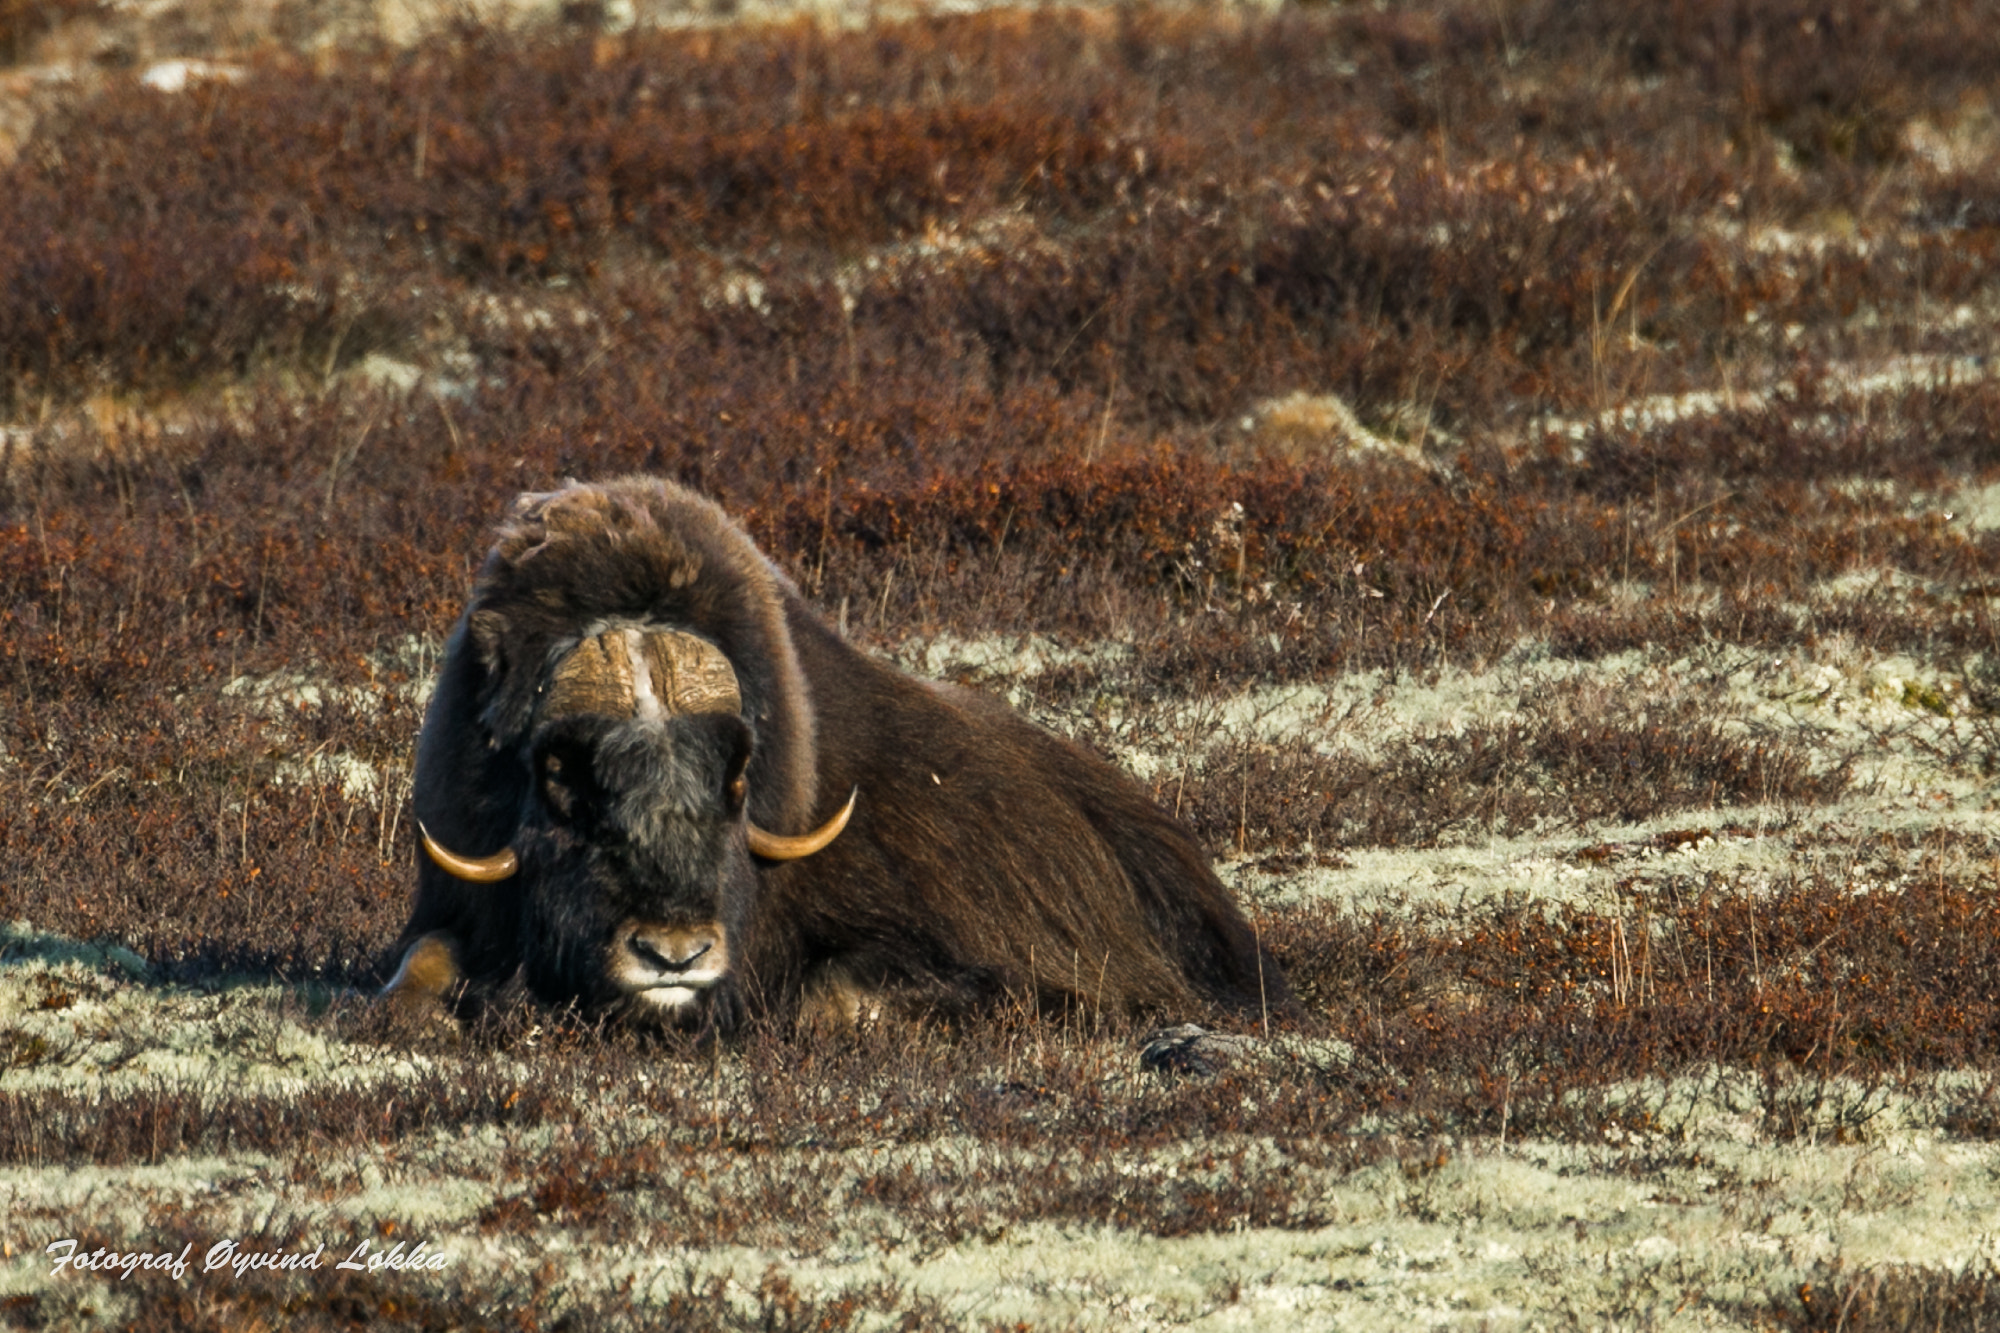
(483, 870)
(633, 673)
(776, 847)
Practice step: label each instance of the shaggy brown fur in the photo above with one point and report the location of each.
(985, 855)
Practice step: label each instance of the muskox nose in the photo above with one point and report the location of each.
(650, 956)
(662, 960)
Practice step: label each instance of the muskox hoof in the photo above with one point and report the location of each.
(835, 1002)
(1189, 1049)
(425, 981)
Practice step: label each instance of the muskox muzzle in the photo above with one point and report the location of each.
(633, 845)
(668, 966)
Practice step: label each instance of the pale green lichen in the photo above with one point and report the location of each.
(1750, 1188)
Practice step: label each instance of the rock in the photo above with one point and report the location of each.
(1191, 1049)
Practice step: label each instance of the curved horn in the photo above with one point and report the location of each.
(484, 870)
(775, 847)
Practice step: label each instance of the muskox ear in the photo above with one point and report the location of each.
(487, 629)
(510, 672)
(736, 772)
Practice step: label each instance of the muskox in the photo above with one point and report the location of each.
(652, 783)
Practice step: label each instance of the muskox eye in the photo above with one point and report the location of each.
(739, 791)
(559, 798)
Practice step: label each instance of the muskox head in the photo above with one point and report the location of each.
(633, 851)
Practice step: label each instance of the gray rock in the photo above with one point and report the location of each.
(1191, 1049)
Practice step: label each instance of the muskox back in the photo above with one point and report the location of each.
(984, 856)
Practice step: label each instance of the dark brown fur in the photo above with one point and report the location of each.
(985, 855)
